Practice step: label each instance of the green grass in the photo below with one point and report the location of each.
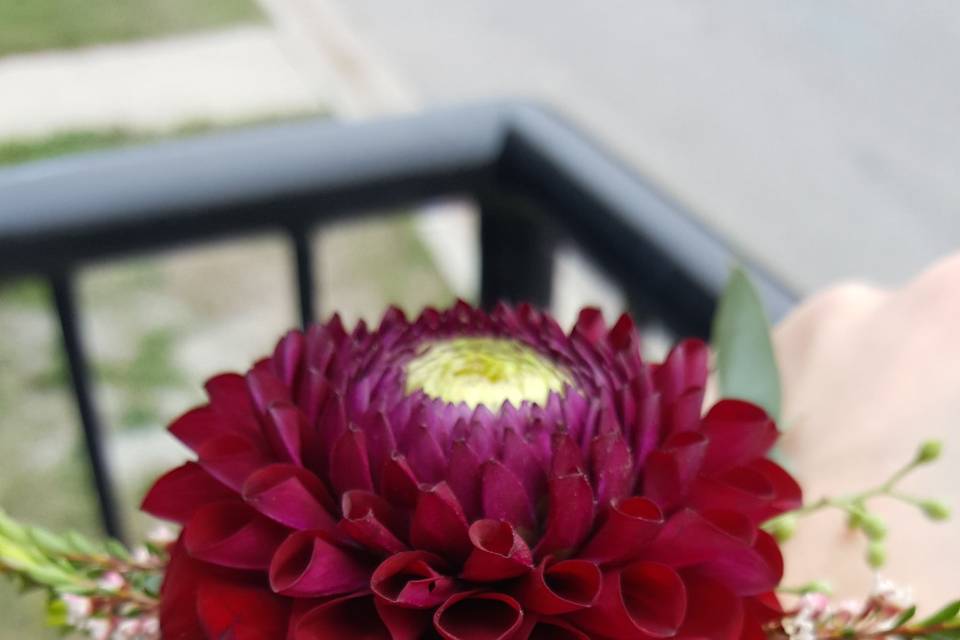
(33, 25)
(17, 151)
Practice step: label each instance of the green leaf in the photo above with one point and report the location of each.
(905, 617)
(946, 614)
(746, 367)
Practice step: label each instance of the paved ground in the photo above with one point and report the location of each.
(821, 136)
(236, 74)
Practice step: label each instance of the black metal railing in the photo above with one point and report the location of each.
(535, 178)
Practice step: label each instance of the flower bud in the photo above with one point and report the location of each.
(782, 527)
(873, 527)
(876, 554)
(929, 451)
(935, 510)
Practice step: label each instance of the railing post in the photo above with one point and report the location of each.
(64, 299)
(306, 282)
(517, 250)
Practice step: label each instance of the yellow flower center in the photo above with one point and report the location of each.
(487, 371)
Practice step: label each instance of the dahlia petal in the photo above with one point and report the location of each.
(504, 497)
(265, 387)
(287, 357)
(498, 553)
(717, 549)
(332, 421)
(540, 628)
(683, 414)
(787, 493)
(371, 521)
(352, 616)
(178, 493)
(425, 456)
(570, 515)
(284, 427)
(476, 615)
(567, 457)
(439, 524)
(349, 464)
(413, 579)
(240, 611)
(313, 394)
(685, 368)
(291, 495)
(310, 565)
(742, 490)
(380, 443)
(231, 534)
(197, 426)
(623, 335)
(403, 623)
(562, 587)
(519, 458)
(627, 527)
(231, 458)
(671, 471)
(463, 476)
(612, 466)
(228, 395)
(399, 483)
(713, 611)
(739, 432)
(642, 600)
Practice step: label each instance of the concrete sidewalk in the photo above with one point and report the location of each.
(822, 137)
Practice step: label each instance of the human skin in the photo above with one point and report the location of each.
(867, 375)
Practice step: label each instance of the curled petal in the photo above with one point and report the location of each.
(738, 432)
(199, 425)
(671, 471)
(498, 552)
(178, 493)
(713, 611)
(627, 527)
(643, 599)
(353, 616)
(291, 495)
(723, 546)
(242, 611)
(231, 458)
(231, 534)
(371, 521)
(228, 395)
(554, 589)
(413, 579)
(476, 615)
(310, 565)
(403, 623)
(439, 525)
(539, 628)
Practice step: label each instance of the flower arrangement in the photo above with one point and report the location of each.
(468, 475)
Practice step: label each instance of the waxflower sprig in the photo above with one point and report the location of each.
(857, 506)
(100, 589)
(883, 614)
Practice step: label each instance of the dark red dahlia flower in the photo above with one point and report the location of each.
(471, 476)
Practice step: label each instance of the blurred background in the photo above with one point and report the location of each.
(820, 137)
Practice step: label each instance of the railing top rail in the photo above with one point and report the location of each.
(54, 214)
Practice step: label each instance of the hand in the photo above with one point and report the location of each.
(867, 375)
